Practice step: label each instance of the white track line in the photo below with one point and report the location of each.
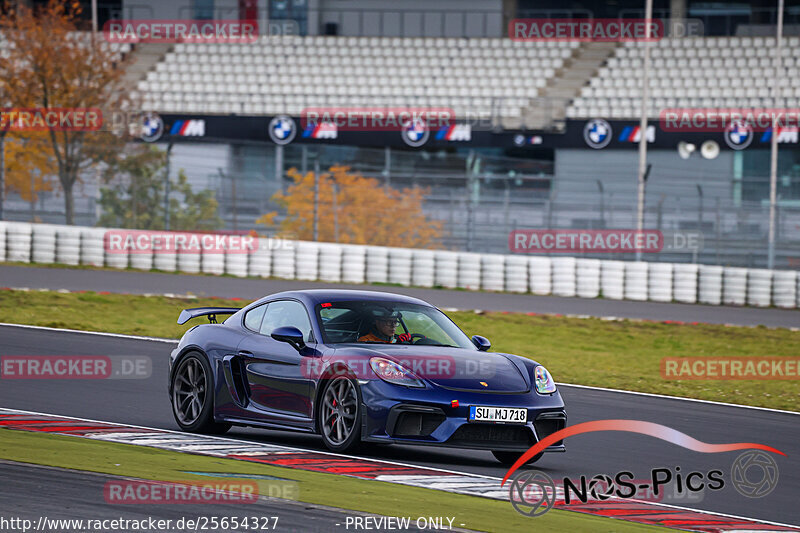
(679, 398)
(118, 335)
(158, 339)
(393, 463)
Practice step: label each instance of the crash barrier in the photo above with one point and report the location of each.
(684, 282)
(350, 263)
(422, 268)
(563, 276)
(587, 278)
(612, 279)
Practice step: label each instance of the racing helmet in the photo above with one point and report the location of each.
(384, 313)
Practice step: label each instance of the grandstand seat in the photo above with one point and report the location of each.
(454, 71)
(723, 71)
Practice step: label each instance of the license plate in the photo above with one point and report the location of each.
(506, 415)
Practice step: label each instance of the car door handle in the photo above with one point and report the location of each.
(245, 354)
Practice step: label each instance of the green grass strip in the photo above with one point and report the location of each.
(481, 514)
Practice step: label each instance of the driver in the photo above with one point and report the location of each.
(384, 327)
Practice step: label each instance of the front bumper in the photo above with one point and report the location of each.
(418, 418)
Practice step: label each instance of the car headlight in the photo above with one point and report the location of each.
(394, 373)
(544, 381)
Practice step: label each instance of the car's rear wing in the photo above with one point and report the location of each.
(212, 312)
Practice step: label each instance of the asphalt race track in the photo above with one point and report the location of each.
(149, 282)
(144, 402)
(70, 494)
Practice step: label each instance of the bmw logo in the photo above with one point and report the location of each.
(152, 127)
(416, 133)
(597, 133)
(282, 129)
(738, 135)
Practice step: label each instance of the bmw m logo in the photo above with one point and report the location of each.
(189, 128)
(785, 135)
(738, 135)
(416, 133)
(597, 133)
(455, 132)
(323, 130)
(152, 127)
(282, 129)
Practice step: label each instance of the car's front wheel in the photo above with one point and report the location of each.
(193, 396)
(509, 458)
(339, 414)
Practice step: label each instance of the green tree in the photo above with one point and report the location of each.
(134, 196)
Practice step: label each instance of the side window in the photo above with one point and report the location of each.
(286, 313)
(252, 320)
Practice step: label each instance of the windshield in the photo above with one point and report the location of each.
(381, 322)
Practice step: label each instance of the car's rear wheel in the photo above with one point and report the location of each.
(193, 396)
(339, 414)
(509, 458)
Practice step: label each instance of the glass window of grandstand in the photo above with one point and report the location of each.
(204, 9)
(296, 10)
(755, 177)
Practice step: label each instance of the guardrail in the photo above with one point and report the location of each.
(351, 263)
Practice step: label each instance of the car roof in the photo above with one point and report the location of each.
(312, 297)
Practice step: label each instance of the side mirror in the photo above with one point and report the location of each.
(482, 343)
(289, 334)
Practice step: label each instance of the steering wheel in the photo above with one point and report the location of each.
(417, 336)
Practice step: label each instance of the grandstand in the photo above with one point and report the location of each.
(283, 75)
(499, 78)
(721, 72)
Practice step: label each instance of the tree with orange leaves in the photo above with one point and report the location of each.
(29, 166)
(49, 65)
(356, 210)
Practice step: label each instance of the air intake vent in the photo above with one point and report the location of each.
(417, 424)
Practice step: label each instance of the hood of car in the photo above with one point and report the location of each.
(450, 368)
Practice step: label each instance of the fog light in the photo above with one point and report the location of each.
(454, 404)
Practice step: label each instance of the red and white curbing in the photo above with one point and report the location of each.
(385, 471)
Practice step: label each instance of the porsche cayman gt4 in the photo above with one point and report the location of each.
(355, 367)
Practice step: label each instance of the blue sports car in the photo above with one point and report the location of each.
(355, 367)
